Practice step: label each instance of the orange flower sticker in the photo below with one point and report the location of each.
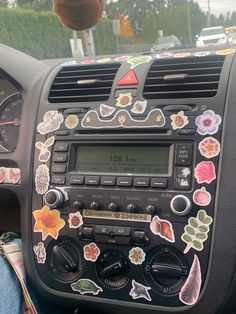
(48, 222)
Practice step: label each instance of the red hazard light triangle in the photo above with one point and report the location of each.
(129, 79)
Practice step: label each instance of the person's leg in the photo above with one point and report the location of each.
(11, 299)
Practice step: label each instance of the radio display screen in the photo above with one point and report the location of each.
(152, 160)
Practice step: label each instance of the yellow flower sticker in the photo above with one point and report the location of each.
(225, 52)
(104, 60)
(179, 120)
(124, 100)
(48, 222)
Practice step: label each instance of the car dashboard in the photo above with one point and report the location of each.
(123, 171)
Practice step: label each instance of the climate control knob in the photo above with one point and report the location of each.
(180, 205)
(95, 206)
(54, 198)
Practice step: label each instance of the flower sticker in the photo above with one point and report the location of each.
(75, 220)
(91, 252)
(202, 197)
(3, 173)
(225, 52)
(71, 121)
(104, 60)
(52, 121)
(137, 256)
(139, 291)
(179, 120)
(42, 179)
(182, 55)
(122, 58)
(205, 172)
(208, 123)
(40, 252)
(88, 61)
(45, 154)
(202, 53)
(48, 222)
(164, 55)
(139, 107)
(124, 100)
(209, 147)
(106, 111)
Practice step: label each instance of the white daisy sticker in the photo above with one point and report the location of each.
(179, 120)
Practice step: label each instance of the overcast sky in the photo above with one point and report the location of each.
(218, 6)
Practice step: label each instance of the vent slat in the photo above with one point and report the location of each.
(202, 77)
(65, 88)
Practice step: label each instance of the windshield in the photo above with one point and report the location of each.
(127, 27)
(165, 40)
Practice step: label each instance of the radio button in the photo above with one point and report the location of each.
(183, 154)
(122, 231)
(108, 181)
(78, 205)
(59, 168)
(99, 229)
(124, 181)
(113, 207)
(58, 180)
(92, 180)
(54, 198)
(140, 237)
(87, 233)
(132, 208)
(62, 157)
(182, 178)
(61, 147)
(95, 206)
(62, 133)
(186, 132)
(77, 180)
(141, 182)
(159, 183)
(151, 209)
(180, 205)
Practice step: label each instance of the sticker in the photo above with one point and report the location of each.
(75, 220)
(137, 256)
(164, 55)
(190, 291)
(179, 120)
(14, 175)
(2, 174)
(106, 111)
(139, 107)
(71, 121)
(196, 232)
(182, 55)
(205, 172)
(202, 197)
(91, 252)
(225, 52)
(104, 60)
(40, 252)
(89, 61)
(42, 179)
(45, 154)
(139, 291)
(123, 58)
(163, 228)
(70, 62)
(89, 213)
(86, 286)
(208, 123)
(124, 100)
(202, 53)
(135, 61)
(48, 222)
(123, 119)
(52, 121)
(209, 147)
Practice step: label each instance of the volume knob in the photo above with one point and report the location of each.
(54, 198)
(180, 205)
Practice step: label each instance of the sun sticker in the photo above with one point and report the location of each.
(179, 120)
(45, 154)
(209, 147)
(225, 52)
(137, 256)
(75, 220)
(40, 252)
(91, 252)
(42, 179)
(106, 111)
(86, 286)
(196, 232)
(52, 121)
(139, 107)
(208, 123)
(163, 228)
(202, 197)
(135, 61)
(124, 100)
(48, 222)
(71, 122)
(190, 291)
(139, 291)
(205, 172)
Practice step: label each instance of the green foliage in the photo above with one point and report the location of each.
(38, 34)
(105, 41)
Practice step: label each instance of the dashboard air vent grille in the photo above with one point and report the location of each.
(83, 83)
(191, 77)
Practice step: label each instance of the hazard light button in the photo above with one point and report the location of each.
(129, 79)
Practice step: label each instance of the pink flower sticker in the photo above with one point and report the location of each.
(202, 197)
(208, 123)
(205, 172)
(91, 252)
(122, 58)
(88, 61)
(209, 147)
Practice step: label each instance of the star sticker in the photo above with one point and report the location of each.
(139, 291)
(186, 172)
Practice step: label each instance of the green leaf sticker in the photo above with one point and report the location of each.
(86, 286)
(196, 232)
(50, 141)
(139, 60)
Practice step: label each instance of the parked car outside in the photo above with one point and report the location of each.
(166, 43)
(212, 36)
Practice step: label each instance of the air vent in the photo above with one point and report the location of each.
(85, 83)
(191, 77)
